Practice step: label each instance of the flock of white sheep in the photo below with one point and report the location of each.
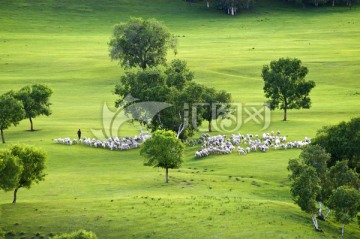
(246, 143)
(115, 143)
(219, 144)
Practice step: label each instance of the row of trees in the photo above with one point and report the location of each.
(20, 167)
(27, 103)
(231, 7)
(141, 47)
(322, 178)
(323, 2)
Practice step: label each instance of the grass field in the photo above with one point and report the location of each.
(64, 45)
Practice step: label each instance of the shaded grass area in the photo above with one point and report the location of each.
(203, 216)
(63, 44)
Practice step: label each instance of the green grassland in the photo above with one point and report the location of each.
(64, 45)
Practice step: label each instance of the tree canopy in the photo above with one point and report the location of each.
(12, 112)
(304, 189)
(346, 203)
(163, 150)
(10, 170)
(157, 85)
(342, 175)
(285, 85)
(342, 142)
(35, 99)
(141, 43)
(313, 181)
(311, 166)
(214, 99)
(172, 85)
(32, 161)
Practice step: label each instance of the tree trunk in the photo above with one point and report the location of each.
(141, 129)
(2, 136)
(180, 130)
(320, 213)
(316, 225)
(207, 4)
(333, 3)
(285, 113)
(328, 213)
(15, 193)
(167, 175)
(342, 230)
(209, 127)
(31, 124)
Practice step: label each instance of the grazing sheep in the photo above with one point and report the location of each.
(218, 144)
(241, 151)
(110, 143)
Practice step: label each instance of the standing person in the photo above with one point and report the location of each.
(79, 134)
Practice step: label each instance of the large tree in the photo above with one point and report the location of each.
(171, 85)
(183, 94)
(305, 188)
(142, 95)
(285, 85)
(141, 43)
(10, 170)
(212, 100)
(32, 160)
(35, 99)
(315, 157)
(346, 203)
(163, 150)
(12, 112)
(342, 142)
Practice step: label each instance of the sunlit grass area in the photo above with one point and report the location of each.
(64, 44)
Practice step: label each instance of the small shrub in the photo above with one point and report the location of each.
(81, 234)
(10, 234)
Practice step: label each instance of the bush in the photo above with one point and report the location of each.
(81, 234)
